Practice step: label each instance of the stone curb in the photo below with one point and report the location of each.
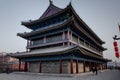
(56, 75)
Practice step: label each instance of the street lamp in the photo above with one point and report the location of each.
(116, 46)
(115, 38)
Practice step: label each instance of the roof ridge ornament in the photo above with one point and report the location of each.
(51, 2)
(70, 3)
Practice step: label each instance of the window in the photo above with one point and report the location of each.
(54, 38)
(39, 41)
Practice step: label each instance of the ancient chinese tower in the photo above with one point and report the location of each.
(60, 42)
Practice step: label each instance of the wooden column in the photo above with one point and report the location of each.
(68, 34)
(60, 66)
(68, 43)
(63, 38)
(71, 36)
(102, 66)
(63, 44)
(98, 66)
(78, 40)
(27, 42)
(19, 65)
(105, 65)
(76, 66)
(44, 39)
(30, 43)
(71, 66)
(90, 66)
(40, 67)
(84, 66)
(26, 67)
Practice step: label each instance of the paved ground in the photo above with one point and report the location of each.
(106, 75)
(103, 75)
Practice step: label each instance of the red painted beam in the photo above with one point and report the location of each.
(40, 67)
(76, 66)
(60, 66)
(19, 65)
(71, 66)
(26, 66)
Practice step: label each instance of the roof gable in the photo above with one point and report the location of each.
(50, 10)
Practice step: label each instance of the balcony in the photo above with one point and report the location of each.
(87, 47)
(46, 44)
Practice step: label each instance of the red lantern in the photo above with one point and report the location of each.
(116, 49)
(117, 54)
(115, 43)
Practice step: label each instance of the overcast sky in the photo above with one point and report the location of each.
(102, 16)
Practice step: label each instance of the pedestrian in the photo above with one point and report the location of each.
(7, 70)
(93, 70)
(96, 70)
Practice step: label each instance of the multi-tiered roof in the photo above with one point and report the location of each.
(53, 11)
(70, 18)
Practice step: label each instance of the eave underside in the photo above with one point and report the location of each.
(33, 33)
(74, 52)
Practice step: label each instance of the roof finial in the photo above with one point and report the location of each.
(50, 1)
(70, 3)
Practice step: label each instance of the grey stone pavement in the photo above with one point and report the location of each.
(102, 75)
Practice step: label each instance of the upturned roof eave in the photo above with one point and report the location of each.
(73, 11)
(78, 28)
(69, 7)
(67, 22)
(76, 47)
(21, 55)
(83, 51)
(30, 22)
(25, 35)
